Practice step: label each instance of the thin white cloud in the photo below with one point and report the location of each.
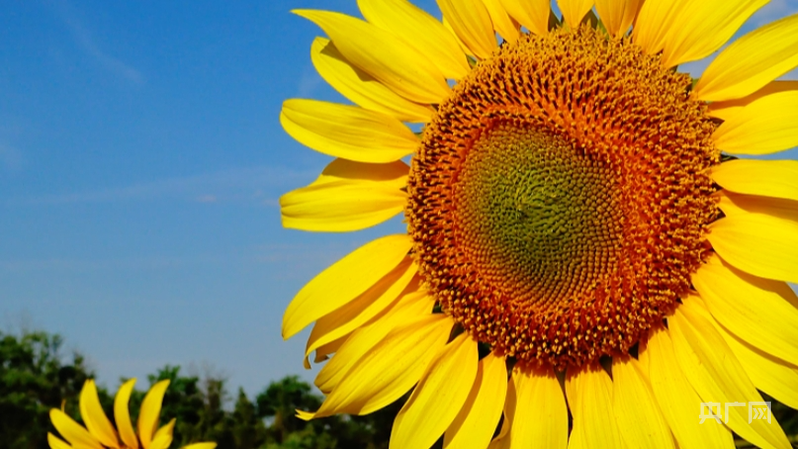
(83, 38)
(238, 184)
(309, 81)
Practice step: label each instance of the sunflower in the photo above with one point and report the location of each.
(99, 433)
(588, 261)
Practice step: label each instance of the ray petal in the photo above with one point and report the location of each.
(362, 88)
(654, 21)
(618, 15)
(419, 30)
(533, 14)
(409, 308)
(733, 204)
(573, 11)
(200, 446)
(150, 412)
(704, 26)
(122, 415)
(94, 417)
(751, 62)
(349, 132)
(475, 423)
(366, 306)
(775, 377)
(73, 432)
(507, 28)
(387, 370)
(589, 392)
(540, 413)
(766, 125)
(758, 244)
(383, 56)
(348, 196)
(679, 402)
(344, 281)
(57, 443)
(753, 308)
(439, 396)
(777, 179)
(717, 376)
(636, 410)
(724, 110)
(163, 437)
(471, 22)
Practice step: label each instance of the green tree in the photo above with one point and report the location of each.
(34, 379)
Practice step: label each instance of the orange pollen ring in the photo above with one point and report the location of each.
(560, 199)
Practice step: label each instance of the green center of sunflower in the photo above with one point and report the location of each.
(540, 215)
(560, 199)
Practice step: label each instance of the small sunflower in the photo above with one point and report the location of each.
(587, 261)
(99, 433)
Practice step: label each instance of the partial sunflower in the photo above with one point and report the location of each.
(99, 433)
(580, 239)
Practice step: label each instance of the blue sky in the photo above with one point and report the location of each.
(141, 160)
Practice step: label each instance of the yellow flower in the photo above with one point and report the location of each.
(579, 239)
(99, 433)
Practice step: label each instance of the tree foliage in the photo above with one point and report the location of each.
(34, 377)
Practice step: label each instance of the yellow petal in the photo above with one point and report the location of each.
(150, 412)
(439, 395)
(362, 88)
(704, 26)
(471, 22)
(540, 415)
(753, 308)
(677, 401)
(122, 415)
(389, 369)
(73, 432)
(654, 21)
(618, 15)
(589, 392)
(348, 196)
(419, 30)
(778, 179)
(502, 440)
(751, 62)
(636, 410)
(163, 437)
(357, 312)
(94, 417)
(323, 352)
(759, 244)
(56, 443)
(383, 56)
(200, 446)
(767, 125)
(409, 308)
(716, 374)
(733, 204)
(775, 377)
(344, 281)
(474, 425)
(502, 23)
(724, 110)
(350, 132)
(533, 14)
(573, 11)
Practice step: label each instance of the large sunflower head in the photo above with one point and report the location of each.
(99, 433)
(581, 225)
